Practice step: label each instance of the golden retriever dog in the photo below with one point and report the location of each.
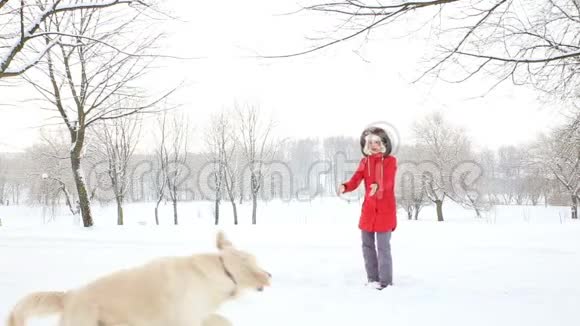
(170, 291)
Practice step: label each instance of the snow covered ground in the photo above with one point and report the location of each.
(517, 266)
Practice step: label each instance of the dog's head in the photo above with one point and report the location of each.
(242, 266)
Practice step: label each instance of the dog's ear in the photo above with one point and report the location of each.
(222, 242)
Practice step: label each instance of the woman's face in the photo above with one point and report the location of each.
(375, 145)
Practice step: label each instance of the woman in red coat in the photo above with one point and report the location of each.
(379, 210)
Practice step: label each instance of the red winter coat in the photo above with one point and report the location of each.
(379, 212)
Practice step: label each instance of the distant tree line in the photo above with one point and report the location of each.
(243, 160)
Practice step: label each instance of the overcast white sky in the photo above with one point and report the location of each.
(333, 92)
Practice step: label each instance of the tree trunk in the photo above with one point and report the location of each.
(229, 183)
(235, 212)
(417, 209)
(474, 205)
(217, 211)
(84, 202)
(254, 207)
(120, 220)
(477, 212)
(574, 208)
(68, 200)
(255, 189)
(439, 204)
(175, 221)
(157, 210)
(410, 213)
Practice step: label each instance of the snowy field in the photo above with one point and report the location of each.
(517, 266)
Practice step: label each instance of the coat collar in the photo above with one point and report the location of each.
(376, 155)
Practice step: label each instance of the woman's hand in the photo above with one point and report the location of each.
(341, 189)
(374, 188)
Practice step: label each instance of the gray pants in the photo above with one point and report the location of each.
(378, 264)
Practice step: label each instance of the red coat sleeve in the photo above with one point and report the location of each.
(356, 178)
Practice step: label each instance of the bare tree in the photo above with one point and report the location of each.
(90, 74)
(46, 167)
(534, 185)
(257, 147)
(118, 139)
(411, 195)
(173, 159)
(221, 148)
(560, 154)
(232, 176)
(215, 138)
(466, 179)
(22, 37)
(177, 170)
(13, 172)
(443, 146)
(527, 42)
(61, 187)
(411, 198)
(17, 184)
(161, 159)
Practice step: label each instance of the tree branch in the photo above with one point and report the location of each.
(524, 60)
(28, 32)
(348, 37)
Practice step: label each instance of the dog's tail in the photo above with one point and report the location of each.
(36, 304)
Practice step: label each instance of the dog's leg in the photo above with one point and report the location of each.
(216, 320)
